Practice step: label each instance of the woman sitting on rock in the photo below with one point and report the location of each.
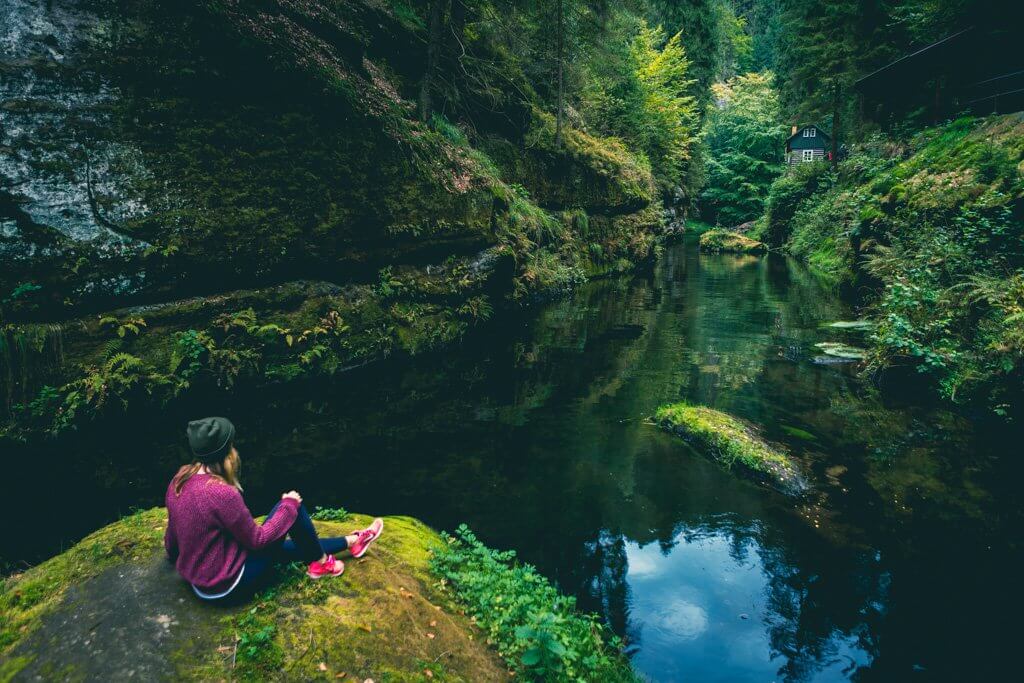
(212, 538)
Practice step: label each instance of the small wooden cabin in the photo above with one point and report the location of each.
(808, 143)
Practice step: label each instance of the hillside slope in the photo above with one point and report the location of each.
(934, 228)
(254, 175)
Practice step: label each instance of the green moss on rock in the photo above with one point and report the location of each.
(384, 618)
(718, 241)
(733, 443)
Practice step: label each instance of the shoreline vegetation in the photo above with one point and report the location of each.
(420, 606)
(733, 443)
(928, 230)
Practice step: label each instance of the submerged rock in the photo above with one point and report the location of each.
(722, 241)
(735, 444)
(852, 324)
(843, 351)
(112, 608)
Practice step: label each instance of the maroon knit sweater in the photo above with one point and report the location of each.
(210, 530)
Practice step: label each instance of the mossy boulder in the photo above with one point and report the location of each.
(718, 241)
(112, 608)
(735, 444)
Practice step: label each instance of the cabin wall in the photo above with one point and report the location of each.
(797, 156)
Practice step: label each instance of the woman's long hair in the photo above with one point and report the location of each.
(226, 471)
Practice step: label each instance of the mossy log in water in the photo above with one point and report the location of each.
(725, 241)
(112, 608)
(733, 443)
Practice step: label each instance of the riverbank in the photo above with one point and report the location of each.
(931, 227)
(113, 608)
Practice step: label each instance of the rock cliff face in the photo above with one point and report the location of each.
(152, 153)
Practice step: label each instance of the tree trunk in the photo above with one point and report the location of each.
(835, 127)
(561, 63)
(433, 50)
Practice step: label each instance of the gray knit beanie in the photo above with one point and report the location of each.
(210, 438)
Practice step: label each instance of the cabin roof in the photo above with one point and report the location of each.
(800, 130)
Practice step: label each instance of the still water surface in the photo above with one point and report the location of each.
(904, 565)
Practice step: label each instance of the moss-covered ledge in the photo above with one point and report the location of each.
(735, 444)
(719, 241)
(420, 606)
(112, 608)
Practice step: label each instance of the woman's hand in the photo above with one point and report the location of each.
(292, 494)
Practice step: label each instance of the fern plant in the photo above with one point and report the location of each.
(124, 328)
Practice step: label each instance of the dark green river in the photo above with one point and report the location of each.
(904, 564)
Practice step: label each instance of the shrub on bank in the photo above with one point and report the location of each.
(535, 628)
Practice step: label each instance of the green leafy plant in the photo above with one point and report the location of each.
(129, 327)
(323, 514)
(21, 291)
(535, 628)
(389, 284)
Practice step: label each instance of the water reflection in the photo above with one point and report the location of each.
(535, 435)
(728, 605)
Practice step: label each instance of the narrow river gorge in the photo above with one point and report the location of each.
(902, 563)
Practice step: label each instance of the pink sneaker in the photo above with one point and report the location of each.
(367, 537)
(329, 567)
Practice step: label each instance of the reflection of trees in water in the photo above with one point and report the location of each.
(604, 561)
(816, 616)
(815, 613)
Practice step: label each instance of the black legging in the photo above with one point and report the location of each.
(301, 545)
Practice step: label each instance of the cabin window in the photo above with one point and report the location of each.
(808, 155)
(810, 132)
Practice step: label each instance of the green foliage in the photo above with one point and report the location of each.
(745, 141)
(191, 349)
(21, 291)
(323, 514)
(934, 225)
(700, 22)
(668, 127)
(737, 44)
(129, 327)
(535, 628)
(645, 96)
(784, 198)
